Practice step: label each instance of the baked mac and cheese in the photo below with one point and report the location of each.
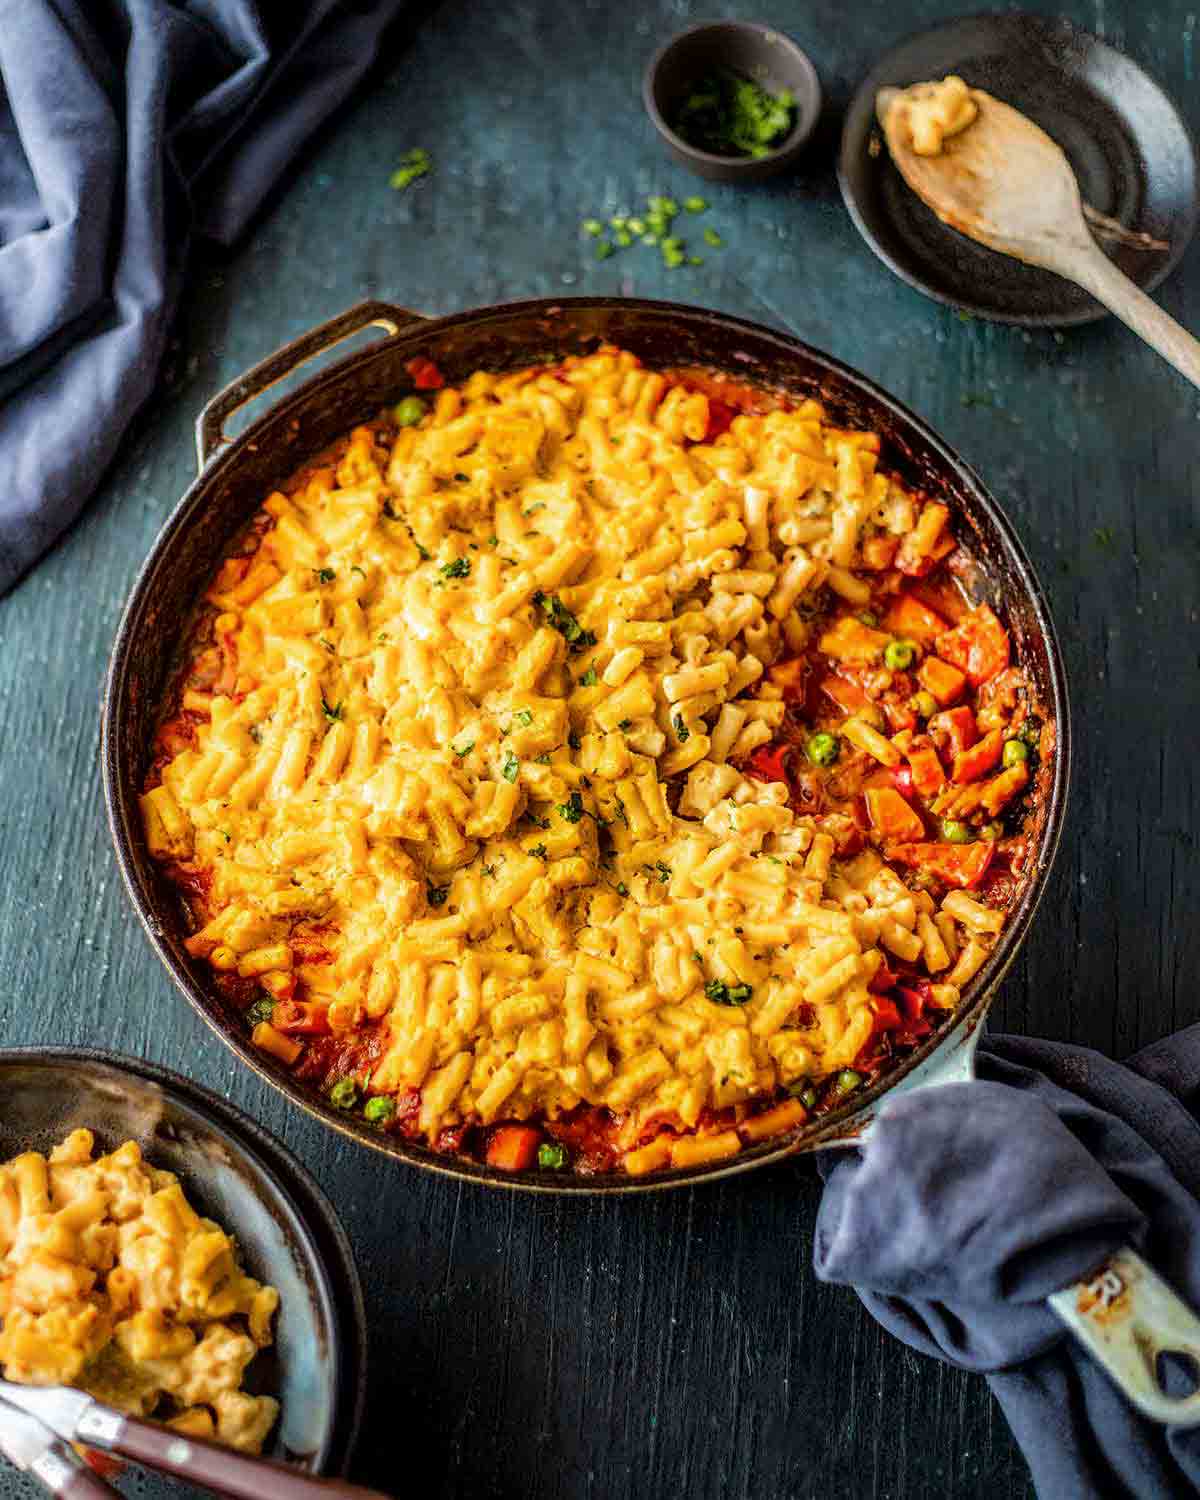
(111, 1282)
(573, 767)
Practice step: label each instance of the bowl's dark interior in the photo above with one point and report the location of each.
(508, 337)
(46, 1097)
(753, 51)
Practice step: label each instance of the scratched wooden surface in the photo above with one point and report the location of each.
(675, 1344)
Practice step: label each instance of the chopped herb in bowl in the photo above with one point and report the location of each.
(730, 115)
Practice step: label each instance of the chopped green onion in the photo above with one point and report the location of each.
(592, 227)
(325, 575)
(552, 1157)
(460, 567)
(711, 237)
(955, 832)
(898, 656)
(695, 205)
(511, 767)
(603, 249)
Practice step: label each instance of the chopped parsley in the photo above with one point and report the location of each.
(325, 575)
(624, 724)
(424, 551)
(681, 730)
(622, 888)
(1105, 536)
(658, 868)
(436, 894)
(572, 809)
(489, 871)
(413, 164)
(390, 511)
(560, 618)
(543, 759)
(589, 678)
(360, 571)
(533, 509)
(327, 643)
(721, 993)
(493, 541)
(523, 717)
(331, 713)
(461, 750)
(459, 568)
(260, 1011)
(511, 767)
(539, 850)
(573, 740)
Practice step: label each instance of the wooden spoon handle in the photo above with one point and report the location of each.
(219, 1468)
(1091, 268)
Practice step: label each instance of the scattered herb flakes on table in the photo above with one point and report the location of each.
(652, 228)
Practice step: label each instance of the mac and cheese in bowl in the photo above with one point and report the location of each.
(111, 1282)
(595, 767)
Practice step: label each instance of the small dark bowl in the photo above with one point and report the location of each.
(238, 1175)
(747, 47)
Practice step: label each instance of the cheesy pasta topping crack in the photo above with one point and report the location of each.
(463, 765)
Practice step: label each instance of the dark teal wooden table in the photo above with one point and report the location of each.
(677, 1344)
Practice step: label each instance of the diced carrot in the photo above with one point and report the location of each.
(891, 817)
(957, 864)
(848, 696)
(979, 646)
(879, 551)
(512, 1148)
(909, 617)
(938, 677)
(849, 640)
(971, 764)
(927, 774)
(957, 726)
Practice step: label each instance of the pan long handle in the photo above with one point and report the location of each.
(210, 425)
(1127, 1316)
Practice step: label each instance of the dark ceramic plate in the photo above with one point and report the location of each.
(1134, 157)
(238, 1175)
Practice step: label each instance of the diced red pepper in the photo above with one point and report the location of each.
(887, 1014)
(903, 778)
(957, 727)
(962, 865)
(979, 646)
(512, 1148)
(970, 765)
(883, 979)
(425, 374)
(938, 677)
(914, 995)
(768, 763)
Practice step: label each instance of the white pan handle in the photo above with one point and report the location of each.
(1127, 1316)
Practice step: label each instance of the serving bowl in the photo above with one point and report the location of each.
(234, 1173)
(236, 474)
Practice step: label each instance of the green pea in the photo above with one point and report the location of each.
(955, 832)
(899, 655)
(869, 618)
(847, 1081)
(344, 1094)
(408, 413)
(823, 749)
(1015, 752)
(553, 1157)
(923, 703)
(379, 1109)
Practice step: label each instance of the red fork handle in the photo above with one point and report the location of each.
(66, 1475)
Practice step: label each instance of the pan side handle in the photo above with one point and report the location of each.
(1126, 1316)
(953, 1062)
(210, 425)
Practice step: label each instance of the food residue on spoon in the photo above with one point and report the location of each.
(937, 111)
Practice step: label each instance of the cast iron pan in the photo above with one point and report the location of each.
(236, 475)
(1132, 153)
(236, 1174)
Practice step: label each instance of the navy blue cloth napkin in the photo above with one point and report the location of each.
(971, 1203)
(125, 127)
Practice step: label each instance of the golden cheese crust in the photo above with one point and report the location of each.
(461, 763)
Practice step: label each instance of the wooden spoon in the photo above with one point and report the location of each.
(1003, 181)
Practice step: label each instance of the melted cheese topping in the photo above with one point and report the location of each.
(937, 111)
(496, 674)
